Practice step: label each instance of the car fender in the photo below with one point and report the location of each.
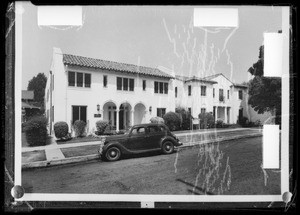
(169, 139)
(116, 144)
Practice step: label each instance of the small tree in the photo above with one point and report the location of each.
(36, 131)
(172, 120)
(186, 118)
(206, 120)
(79, 128)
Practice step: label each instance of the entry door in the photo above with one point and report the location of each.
(240, 114)
(121, 119)
(79, 113)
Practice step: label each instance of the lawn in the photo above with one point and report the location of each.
(80, 151)
(38, 155)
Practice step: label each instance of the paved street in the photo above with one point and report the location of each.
(230, 167)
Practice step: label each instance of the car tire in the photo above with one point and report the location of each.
(167, 147)
(112, 154)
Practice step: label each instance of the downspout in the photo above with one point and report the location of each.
(51, 110)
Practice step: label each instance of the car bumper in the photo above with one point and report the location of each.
(179, 143)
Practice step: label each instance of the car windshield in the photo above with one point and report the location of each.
(127, 130)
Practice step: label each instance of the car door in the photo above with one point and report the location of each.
(137, 139)
(154, 137)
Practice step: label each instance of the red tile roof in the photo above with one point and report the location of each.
(110, 65)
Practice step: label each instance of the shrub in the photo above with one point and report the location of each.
(219, 124)
(243, 121)
(207, 120)
(157, 119)
(172, 120)
(79, 128)
(186, 118)
(61, 129)
(101, 125)
(36, 131)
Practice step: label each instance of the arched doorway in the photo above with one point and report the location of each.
(125, 116)
(139, 113)
(110, 113)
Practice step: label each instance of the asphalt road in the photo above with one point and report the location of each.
(231, 167)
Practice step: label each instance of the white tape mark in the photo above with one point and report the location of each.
(216, 17)
(59, 15)
(147, 204)
(273, 48)
(271, 146)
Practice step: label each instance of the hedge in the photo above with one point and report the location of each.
(36, 131)
(172, 120)
(101, 125)
(61, 129)
(79, 128)
(186, 118)
(207, 120)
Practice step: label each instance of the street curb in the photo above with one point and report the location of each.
(96, 156)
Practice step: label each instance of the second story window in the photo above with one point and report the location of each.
(203, 90)
(125, 84)
(221, 95)
(161, 87)
(144, 85)
(175, 92)
(77, 79)
(189, 90)
(104, 80)
(240, 94)
(227, 94)
(203, 110)
(213, 92)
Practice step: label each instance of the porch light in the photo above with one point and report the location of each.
(98, 107)
(150, 109)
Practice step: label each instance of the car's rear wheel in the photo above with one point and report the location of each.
(167, 147)
(113, 154)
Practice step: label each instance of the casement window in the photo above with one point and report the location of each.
(240, 94)
(161, 87)
(221, 95)
(161, 112)
(203, 90)
(78, 79)
(144, 85)
(213, 92)
(227, 94)
(104, 80)
(78, 113)
(175, 92)
(71, 79)
(203, 110)
(189, 90)
(125, 84)
(190, 110)
(52, 82)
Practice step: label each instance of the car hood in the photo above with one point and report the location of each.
(116, 137)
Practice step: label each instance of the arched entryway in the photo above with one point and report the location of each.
(110, 113)
(139, 113)
(125, 116)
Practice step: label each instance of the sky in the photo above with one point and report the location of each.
(151, 36)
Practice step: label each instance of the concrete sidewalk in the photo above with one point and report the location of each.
(56, 154)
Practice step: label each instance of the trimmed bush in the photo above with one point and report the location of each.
(157, 119)
(186, 118)
(207, 120)
(243, 121)
(36, 131)
(79, 128)
(172, 120)
(101, 125)
(61, 129)
(219, 124)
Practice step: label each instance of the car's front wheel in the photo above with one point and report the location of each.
(113, 154)
(167, 147)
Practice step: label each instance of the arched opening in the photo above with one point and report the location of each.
(139, 114)
(125, 116)
(110, 114)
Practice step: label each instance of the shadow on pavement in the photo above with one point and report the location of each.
(204, 191)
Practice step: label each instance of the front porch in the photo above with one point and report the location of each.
(222, 113)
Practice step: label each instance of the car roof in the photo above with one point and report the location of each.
(149, 124)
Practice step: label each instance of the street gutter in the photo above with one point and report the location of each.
(96, 156)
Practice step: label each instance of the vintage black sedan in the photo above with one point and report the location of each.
(139, 139)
